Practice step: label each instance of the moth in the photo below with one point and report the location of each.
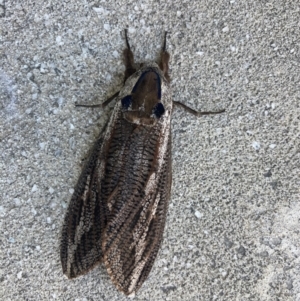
(118, 211)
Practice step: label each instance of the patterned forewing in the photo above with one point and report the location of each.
(85, 220)
(135, 188)
(156, 229)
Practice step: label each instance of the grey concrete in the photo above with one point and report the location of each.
(233, 222)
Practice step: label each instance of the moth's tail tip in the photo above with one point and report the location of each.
(131, 295)
(66, 276)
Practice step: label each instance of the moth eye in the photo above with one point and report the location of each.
(126, 101)
(158, 110)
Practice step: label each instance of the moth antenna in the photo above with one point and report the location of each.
(128, 59)
(164, 59)
(165, 42)
(126, 39)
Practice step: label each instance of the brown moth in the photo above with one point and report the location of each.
(118, 211)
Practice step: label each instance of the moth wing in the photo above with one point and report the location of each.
(135, 224)
(80, 248)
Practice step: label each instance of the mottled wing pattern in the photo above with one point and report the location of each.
(136, 189)
(85, 221)
(118, 211)
(119, 206)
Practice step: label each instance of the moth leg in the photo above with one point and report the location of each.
(196, 113)
(128, 59)
(99, 105)
(164, 60)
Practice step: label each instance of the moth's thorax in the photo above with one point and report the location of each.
(146, 97)
(146, 92)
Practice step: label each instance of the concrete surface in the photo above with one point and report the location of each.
(233, 223)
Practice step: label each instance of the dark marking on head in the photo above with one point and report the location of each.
(126, 101)
(158, 110)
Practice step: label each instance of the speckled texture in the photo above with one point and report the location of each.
(233, 225)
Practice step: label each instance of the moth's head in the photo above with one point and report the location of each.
(143, 105)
